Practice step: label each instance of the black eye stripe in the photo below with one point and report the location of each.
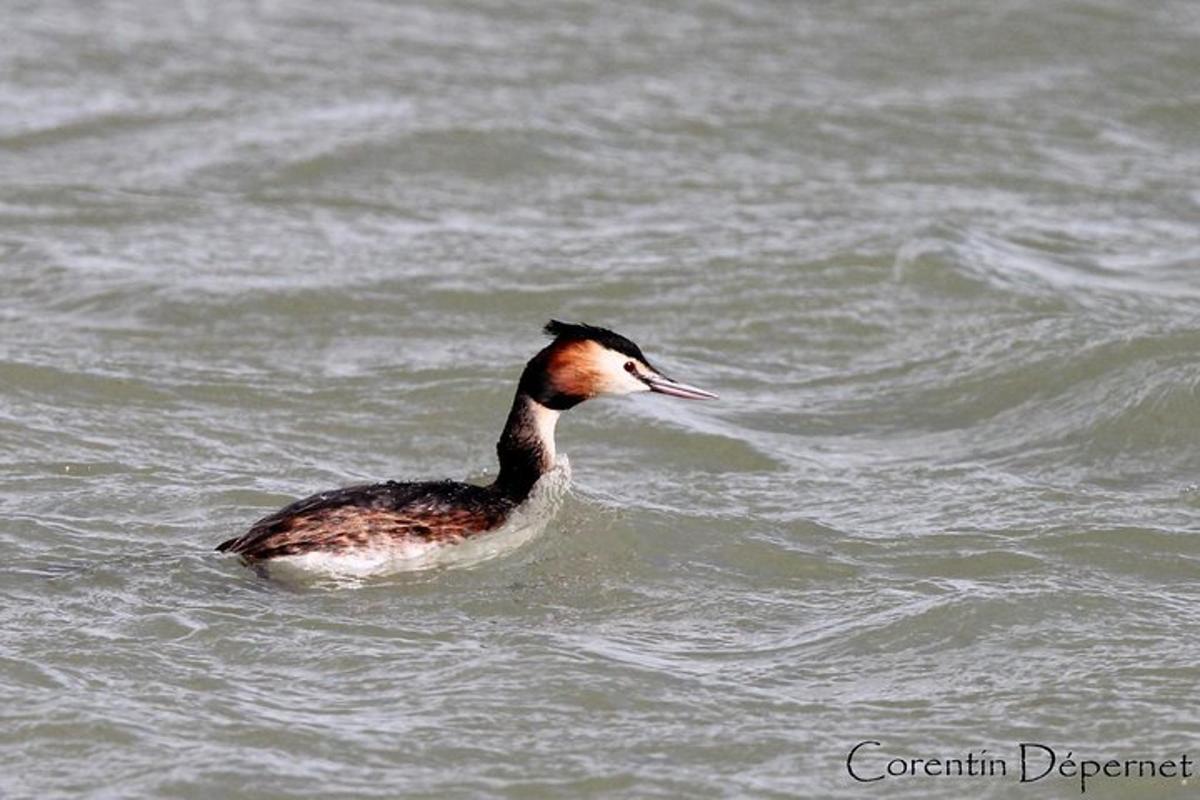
(632, 369)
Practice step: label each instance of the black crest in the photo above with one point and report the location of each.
(569, 331)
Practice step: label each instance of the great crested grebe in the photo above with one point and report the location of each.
(396, 521)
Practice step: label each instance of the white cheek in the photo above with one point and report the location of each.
(628, 384)
(616, 379)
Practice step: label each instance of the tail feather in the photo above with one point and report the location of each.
(228, 544)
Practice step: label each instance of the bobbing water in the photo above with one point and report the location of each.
(941, 260)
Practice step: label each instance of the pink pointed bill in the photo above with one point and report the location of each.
(658, 383)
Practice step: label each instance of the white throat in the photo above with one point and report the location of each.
(545, 420)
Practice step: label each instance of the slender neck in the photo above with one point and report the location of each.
(526, 447)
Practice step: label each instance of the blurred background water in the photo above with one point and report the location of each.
(941, 260)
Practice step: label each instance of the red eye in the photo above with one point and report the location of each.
(631, 367)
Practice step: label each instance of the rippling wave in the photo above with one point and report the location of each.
(939, 262)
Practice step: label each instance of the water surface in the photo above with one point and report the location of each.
(941, 260)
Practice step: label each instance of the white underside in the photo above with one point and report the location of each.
(524, 524)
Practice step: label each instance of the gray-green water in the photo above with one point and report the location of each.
(941, 260)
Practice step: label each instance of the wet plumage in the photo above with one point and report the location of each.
(582, 362)
(375, 515)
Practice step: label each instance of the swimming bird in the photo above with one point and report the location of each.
(398, 521)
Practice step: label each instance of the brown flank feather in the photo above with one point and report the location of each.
(364, 517)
